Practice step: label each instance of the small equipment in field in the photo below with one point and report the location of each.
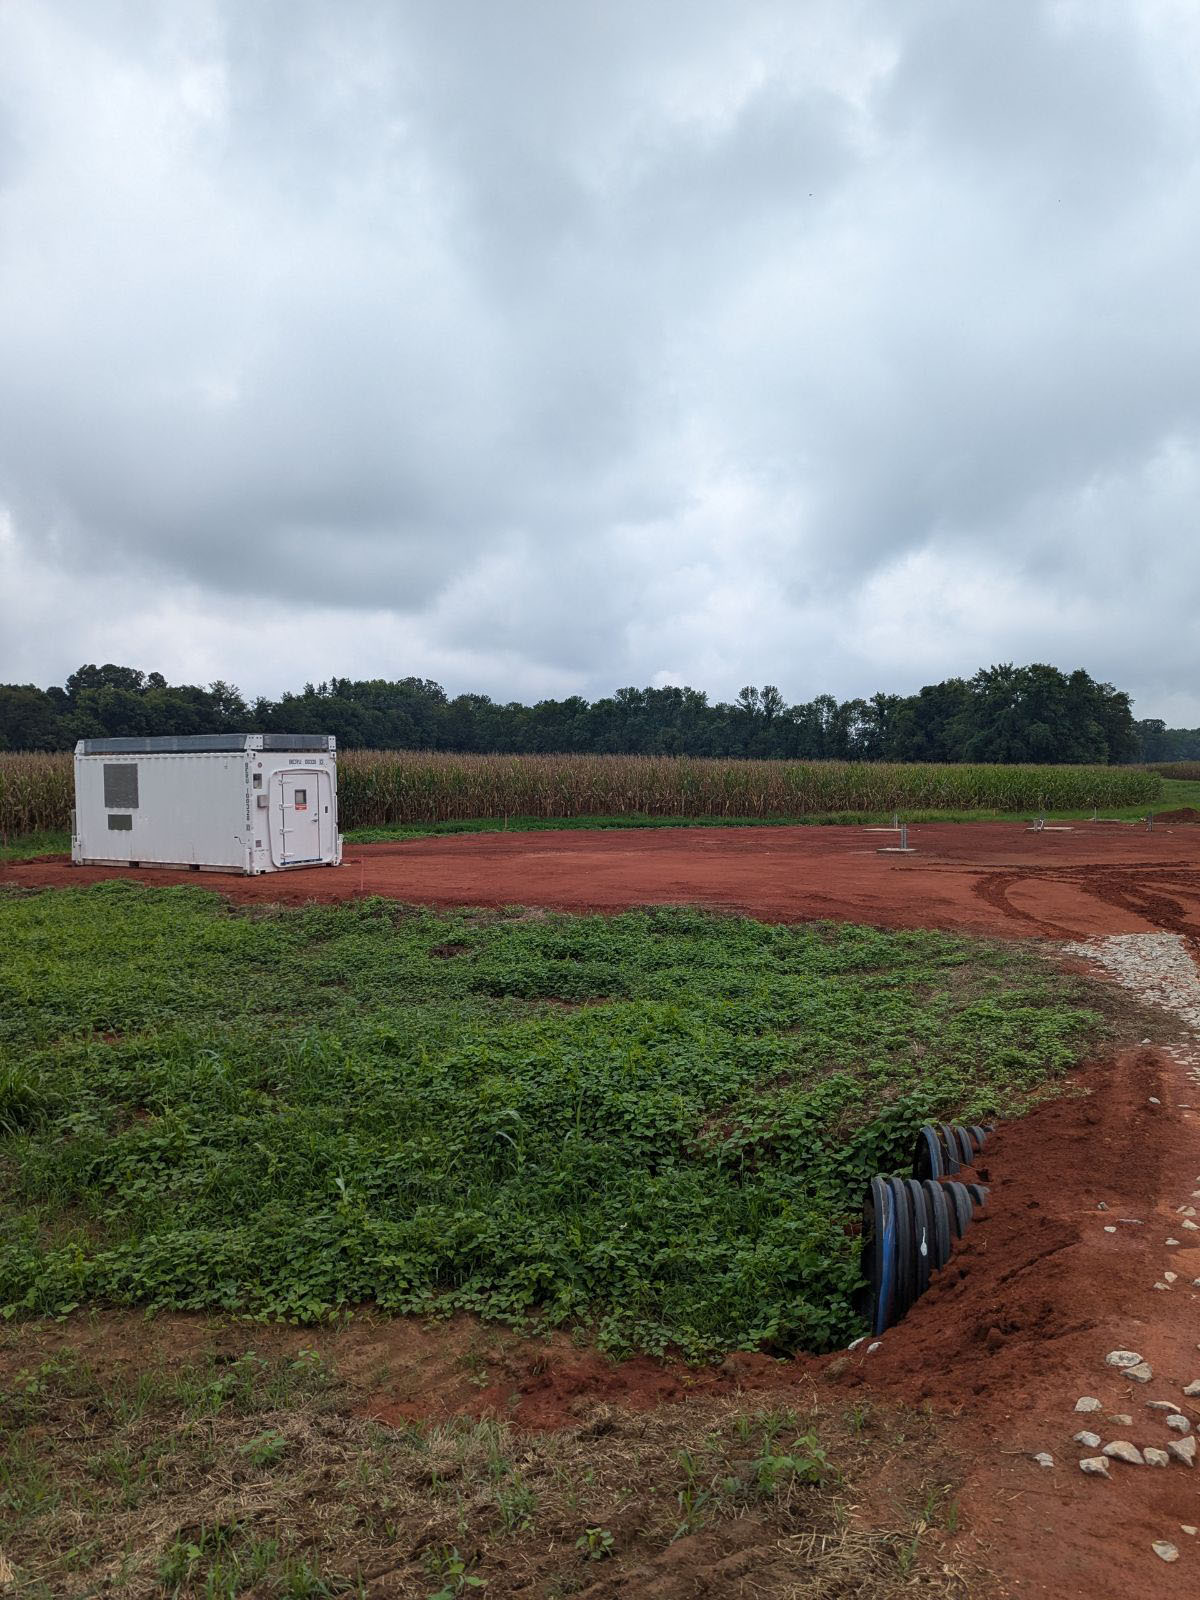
(901, 849)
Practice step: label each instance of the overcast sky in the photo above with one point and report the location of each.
(542, 347)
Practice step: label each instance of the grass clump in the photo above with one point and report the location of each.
(657, 1125)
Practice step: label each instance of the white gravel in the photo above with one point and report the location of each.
(1158, 967)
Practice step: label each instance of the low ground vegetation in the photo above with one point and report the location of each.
(239, 1466)
(653, 1127)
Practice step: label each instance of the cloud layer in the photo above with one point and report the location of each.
(542, 348)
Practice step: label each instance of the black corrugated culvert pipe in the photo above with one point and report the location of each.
(910, 1224)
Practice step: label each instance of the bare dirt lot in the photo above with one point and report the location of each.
(989, 878)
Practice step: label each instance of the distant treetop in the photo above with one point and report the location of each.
(1004, 713)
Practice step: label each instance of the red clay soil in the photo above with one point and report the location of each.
(988, 878)
(1006, 1340)
(1017, 1328)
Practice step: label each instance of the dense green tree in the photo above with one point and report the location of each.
(1004, 713)
(928, 726)
(28, 719)
(1156, 742)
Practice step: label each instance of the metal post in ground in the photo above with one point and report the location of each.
(904, 836)
(1149, 822)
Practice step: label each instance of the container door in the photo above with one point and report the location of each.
(328, 817)
(299, 810)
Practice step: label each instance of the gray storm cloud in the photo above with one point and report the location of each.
(543, 348)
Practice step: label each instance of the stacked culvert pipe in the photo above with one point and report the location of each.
(910, 1225)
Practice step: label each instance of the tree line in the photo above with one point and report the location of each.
(1003, 713)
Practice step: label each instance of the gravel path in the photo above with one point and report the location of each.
(1158, 967)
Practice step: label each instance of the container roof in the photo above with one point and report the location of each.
(182, 744)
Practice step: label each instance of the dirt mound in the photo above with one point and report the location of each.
(1017, 1329)
(1021, 1301)
(1180, 814)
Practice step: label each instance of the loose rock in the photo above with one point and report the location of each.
(1165, 1550)
(1171, 1241)
(1193, 1387)
(1142, 1373)
(1184, 1450)
(1110, 1229)
(1044, 1458)
(1087, 1402)
(1180, 1423)
(1186, 1527)
(1122, 1450)
(1122, 1419)
(1161, 1405)
(1170, 1276)
(1156, 1458)
(1089, 1441)
(1094, 1464)
(1122, 1358)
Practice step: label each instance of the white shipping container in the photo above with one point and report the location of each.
(241, 802)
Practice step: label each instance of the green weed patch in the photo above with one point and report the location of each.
(656, 1126)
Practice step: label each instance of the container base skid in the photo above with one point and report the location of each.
(192, 866)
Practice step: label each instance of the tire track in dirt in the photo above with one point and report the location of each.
(1138, 892)
(994, 891)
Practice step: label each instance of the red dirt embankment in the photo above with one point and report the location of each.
(989, 878)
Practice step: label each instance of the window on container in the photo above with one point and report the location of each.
(121, 784)
(301, 799)
(120, 822)
(257, 783)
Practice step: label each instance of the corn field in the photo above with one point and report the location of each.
(379, 788)
(36, 792)
(1187, 771)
